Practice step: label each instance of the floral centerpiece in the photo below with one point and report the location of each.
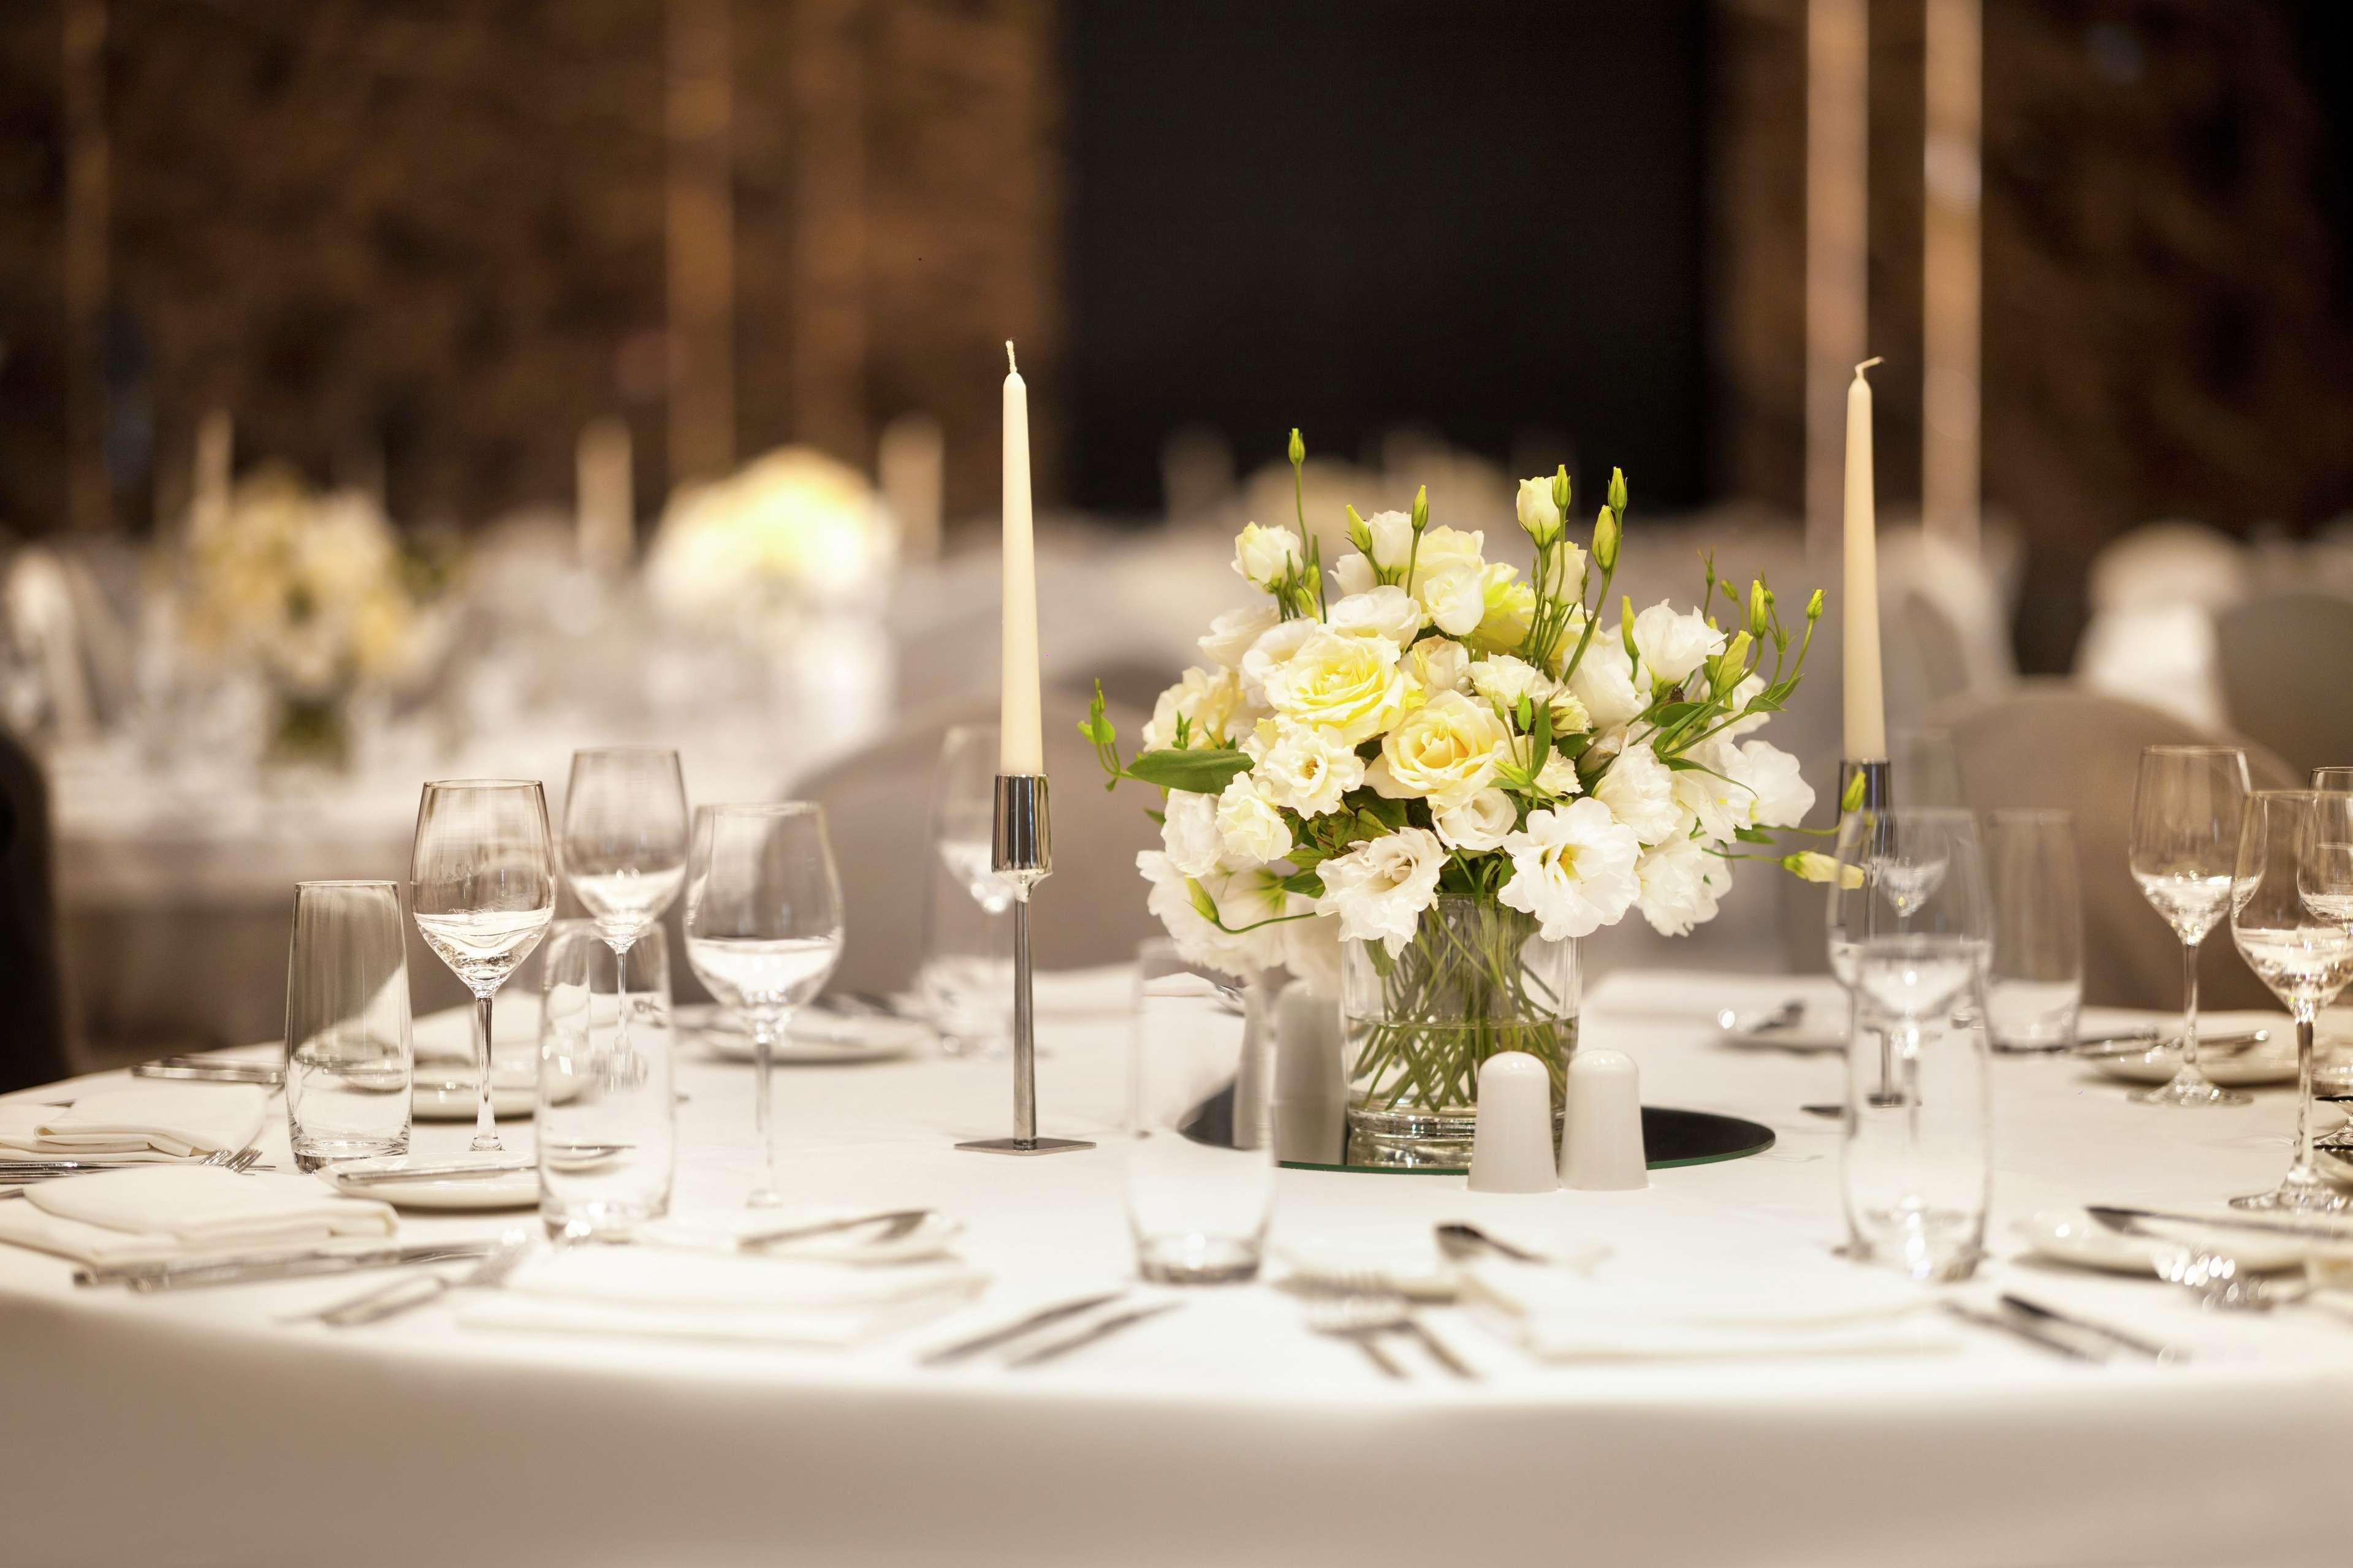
(313, 592)
(787, 531)
(1416, 778)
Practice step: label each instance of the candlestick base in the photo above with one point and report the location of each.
(1025, 1145)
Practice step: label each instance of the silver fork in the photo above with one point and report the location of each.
(20, 1178)
(2216, 1279)
(1361, 1319)
(1365, 1305)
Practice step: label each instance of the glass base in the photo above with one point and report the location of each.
(2185, 1089)
(598, 1221)
(487, 1144)
(1197, 1259)
(764, 1198)
(1411, 1140)
(2300, 1194)
(312, 1153)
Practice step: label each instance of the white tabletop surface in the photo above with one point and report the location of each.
(195, 1427)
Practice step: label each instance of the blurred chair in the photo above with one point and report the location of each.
(2172, 562)
(32, 1026)
(1945, 634)
(877, 808)
(2053, 746)
(2155, 591)
(2286, 660)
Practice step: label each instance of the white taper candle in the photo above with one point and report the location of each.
(1867, 708)
(1022, 743)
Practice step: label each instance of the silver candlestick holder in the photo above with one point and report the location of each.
(1022, 852)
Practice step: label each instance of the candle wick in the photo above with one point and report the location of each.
(1858, 370)
(1017, 369)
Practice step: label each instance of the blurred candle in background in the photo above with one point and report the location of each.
(607, 520)
(1022, 745)
(1866, 712)
(909, 463)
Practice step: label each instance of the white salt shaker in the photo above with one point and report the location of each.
(1601, 1140)
(1311, 1121)
(1512, 1150)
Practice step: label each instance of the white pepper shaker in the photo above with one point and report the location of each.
(1602, 1138)
(1512, 1150)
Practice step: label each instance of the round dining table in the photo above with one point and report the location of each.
(204, 1426)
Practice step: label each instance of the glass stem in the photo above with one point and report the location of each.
(621, 998)
(2302, 1174)
(2189, 1073)
(765, 1027)
(486, 1124)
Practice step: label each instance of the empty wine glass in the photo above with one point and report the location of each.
(964, 814)
(2186, 808)
(2291, 917)
(624, 849)
(1892, 864)
(2332, 1072)
(482, 886)
(762, 929)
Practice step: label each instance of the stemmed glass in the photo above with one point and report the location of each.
(964, 814)
(482, 886)
(2292, 916)
(1893, 867)
(2333, 1077)
(762, 929)
(625, 847)
(2187, 807)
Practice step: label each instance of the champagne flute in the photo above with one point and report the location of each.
(2291, 917)
(2186, 808)
(762, 929)
(482, 886)
(623, 849)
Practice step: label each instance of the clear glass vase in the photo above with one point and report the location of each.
(1476, 979)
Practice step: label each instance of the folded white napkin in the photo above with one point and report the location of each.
(154, 1120)
(156, 1214)
(675, 1294)
(1617, 1312)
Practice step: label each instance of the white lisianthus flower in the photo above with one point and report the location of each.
(1742, 695)
(1238, 898)
(1350, 683)
(1233, 633)
(1782, 796)
(1573, 868)
(1507, 609)
(1384, 612)
(1710, 793)
(1271, 651)
(1446, 751)
(1673, 643)
(1640, 791)
(1380, 888)
(1212, 701)
(1252, 830)
(1604, 680)
(1265, 556)
(1538, 516)
(1392, 533)
(1558, 776)
(1677, 892)
(1478, 824)
(1504, 679)
(1189, 835)
(1450, 578)
(1308, 769)
(1310, 951)
(1438, 664)
(1569, 715)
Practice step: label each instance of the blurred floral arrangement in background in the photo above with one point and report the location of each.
(789, 532)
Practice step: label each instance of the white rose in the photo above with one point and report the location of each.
(1438, 663)
(1308, 769)
(1507, 609)
(1265, 556)
(1674, 643)
(1537, 514)
(1271, 651)
(1445, 751)
(1384, 612)
(1234, 633)
(1478, 824)
(1505, 679)
(1573, 868)
(1558, 776)
(1604, 680)
(1782, 796)
(1450, 578)
(1189, 835)
(1679, 889)
(1380, 889)
(1240, 899)
(1350, 683)
(1252, 830)
(1209, 701)
(1715, 800)
(1640, 791)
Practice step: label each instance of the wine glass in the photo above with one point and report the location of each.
(1893, 867)
(482, 886)
(2292, 916)
(2187, 807)
(762, 929)
(964, 814)
(623, 847)
(2333, 1072)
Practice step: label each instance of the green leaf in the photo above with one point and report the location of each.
(1571, 746)
(1205, 771)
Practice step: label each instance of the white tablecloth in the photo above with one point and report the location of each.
(196, 1428)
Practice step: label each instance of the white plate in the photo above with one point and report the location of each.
(512, 1189)
(2273, 1061)
(2071, 1236)
(815, 1039)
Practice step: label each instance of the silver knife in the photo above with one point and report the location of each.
(406, 1295)
(1043, 1318)
(1101, 1330)
(2142, 1045)
(212, 1072)
(456, 1171)
(2122, 1219)
(2017, 1328)
(2134, 1342)
(144, 1277)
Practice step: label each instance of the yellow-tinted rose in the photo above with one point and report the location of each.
(1445, 751)
(1350, 684)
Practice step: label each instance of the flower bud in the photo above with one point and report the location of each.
(1540, 517)
(1814, 606)
(1298, 447)
(1207, 906)
(1605, 540)
(1625, 627)
(1618, 489)
(1727, 668)
(1816, 866)
(1422, 509)
(1359, 533)
(1760, 602)
(1560, 491)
